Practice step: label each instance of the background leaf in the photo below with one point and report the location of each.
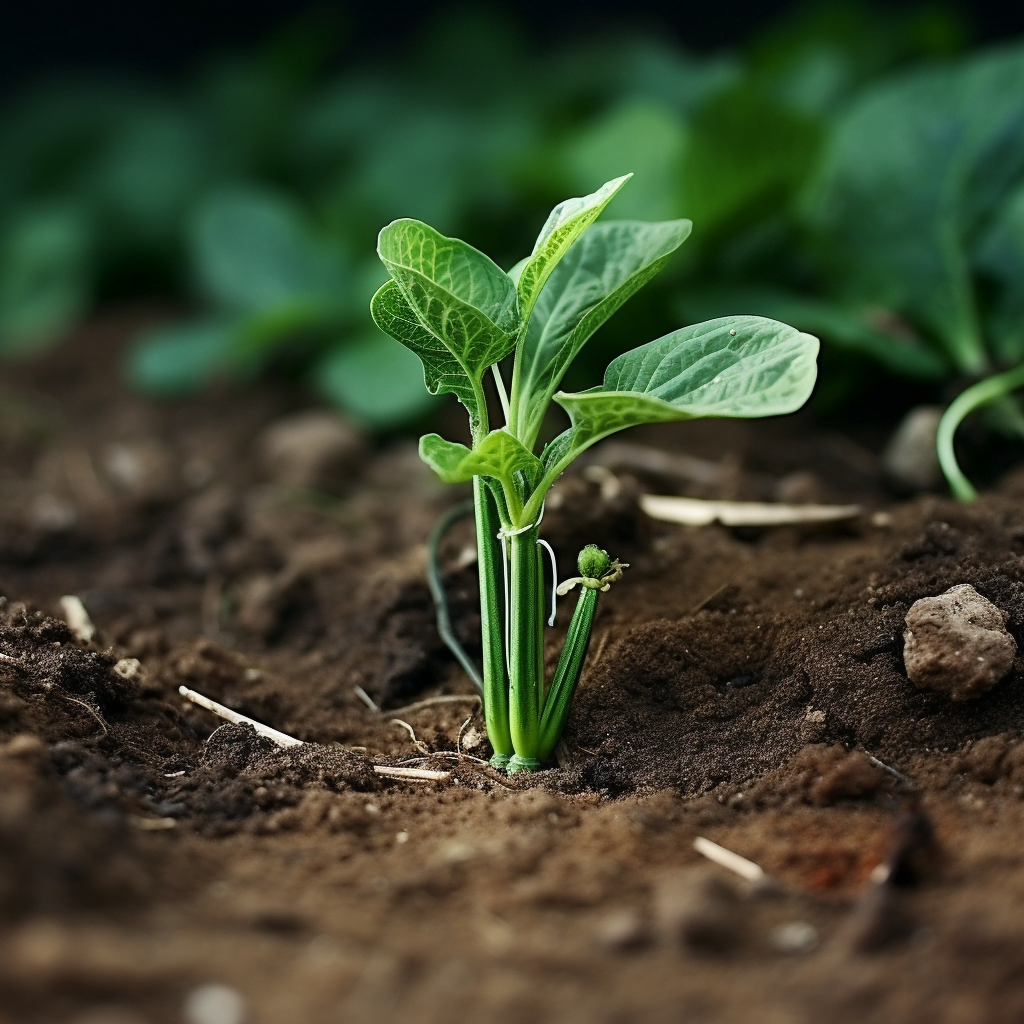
(181, 359)
(253, 251)
(45, 283)
(912, 174)
(1000, 255)
(378, 383)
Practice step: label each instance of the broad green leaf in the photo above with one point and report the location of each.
(599, 273)
(45, 279)
(867, 330)
(738, 366)
(253, 251)
(150, 174)
(181, 359)
(457, 293)
(913, 172)
(498, 455)
(375, 381)
(465, 302)
(1001, 256)
(566, 222)
(442, 371)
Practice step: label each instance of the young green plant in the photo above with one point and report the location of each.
(463, 315)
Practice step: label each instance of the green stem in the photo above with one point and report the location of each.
(526, 652)
(567, 674)
(495, 687)
(437, 592)
(965, 403)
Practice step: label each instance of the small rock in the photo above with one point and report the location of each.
(910, 460)
(622, 930)
(698, 908)
(794, 937)
(957, 643)
(214, 1004)
(129, 668)
(315, 450)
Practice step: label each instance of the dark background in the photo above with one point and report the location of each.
(165, 38)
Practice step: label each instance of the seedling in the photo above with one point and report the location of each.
(463, 315)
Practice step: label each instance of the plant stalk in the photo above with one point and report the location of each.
(962, 406)
(567, 674)
(526, 647)
(495, 685)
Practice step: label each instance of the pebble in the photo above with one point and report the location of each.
(910, 460)
(214, 1004)
(957, 643)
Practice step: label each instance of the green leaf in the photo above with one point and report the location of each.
(442, 372)
(375, 381)
(150, 175)
(610, 263)
(1001, 256)
(913, 173)
(253, 251)
(740, 366)
(460, 295)
(454, 294)
(498, 455)
(181, 359)
(45, 280)
(566, 222)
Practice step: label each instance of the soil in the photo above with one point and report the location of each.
(744, 686)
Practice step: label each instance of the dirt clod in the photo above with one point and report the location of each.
(957, 643)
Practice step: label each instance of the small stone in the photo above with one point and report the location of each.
(910, 460)
(794, 937)
(957, 643)
(214, 1004)
(315, 450)
(622, 930)
(698, 908)
(129, 668)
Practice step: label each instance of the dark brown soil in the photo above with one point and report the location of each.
(743, 686)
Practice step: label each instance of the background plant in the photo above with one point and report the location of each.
(250, 192)
(463, 316)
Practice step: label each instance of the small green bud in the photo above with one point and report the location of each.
(593, 562)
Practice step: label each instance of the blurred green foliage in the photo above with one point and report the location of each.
(851, 172)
